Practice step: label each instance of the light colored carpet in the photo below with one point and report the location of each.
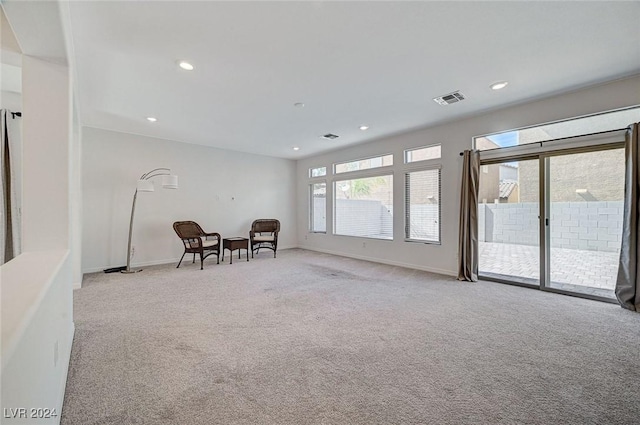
(310, 338)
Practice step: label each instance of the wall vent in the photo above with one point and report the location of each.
(329, 136)
(450, 98)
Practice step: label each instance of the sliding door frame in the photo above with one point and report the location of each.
(544, 217)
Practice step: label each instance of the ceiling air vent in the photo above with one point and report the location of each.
(450, 98)
(329, 136)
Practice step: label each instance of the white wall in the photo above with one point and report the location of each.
(10, 100)
(75, 204)
(37, 305)
(37, 297)
(45, 155)
(454, 137)
(223, 191)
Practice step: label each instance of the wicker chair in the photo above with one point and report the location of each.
(196, 241)
(264, 234)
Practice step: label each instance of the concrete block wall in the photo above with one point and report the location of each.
(376, 217)
(592, 226)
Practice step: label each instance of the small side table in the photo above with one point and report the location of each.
(235, 243)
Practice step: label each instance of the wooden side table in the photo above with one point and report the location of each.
(235, 243)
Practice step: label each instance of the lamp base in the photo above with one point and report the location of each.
(115, 269)
(131, 271)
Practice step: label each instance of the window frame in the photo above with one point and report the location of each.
(385, 171)
(316, 168)
(311, 216)
(421, 161)
(383, 167)
(418, 167)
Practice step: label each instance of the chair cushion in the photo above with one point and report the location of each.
(205, 243)
(209, 243)
(265, 238)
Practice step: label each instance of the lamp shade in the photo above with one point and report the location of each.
(145, 186)
(170, 181)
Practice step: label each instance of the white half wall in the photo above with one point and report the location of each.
(224, 191)
(455, 137)
(37, 334)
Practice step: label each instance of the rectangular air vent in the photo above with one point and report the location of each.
(450, 98)
(329, 136)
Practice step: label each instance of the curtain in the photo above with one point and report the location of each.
(9, 217)
(628, 282)
(468, 232)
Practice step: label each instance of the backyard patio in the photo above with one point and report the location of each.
(592, 272)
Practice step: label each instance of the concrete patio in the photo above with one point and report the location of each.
(592, 271)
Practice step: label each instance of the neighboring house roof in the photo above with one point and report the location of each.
(506, 164)
(506, 187)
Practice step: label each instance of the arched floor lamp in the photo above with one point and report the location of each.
(145, 184)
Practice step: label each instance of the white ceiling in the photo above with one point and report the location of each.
(351, 63)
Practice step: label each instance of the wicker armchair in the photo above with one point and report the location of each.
(264, 234)
(196, 241)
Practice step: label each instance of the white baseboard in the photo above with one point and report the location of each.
(134, 265)
(384, 261)
(154, 263)
(283, 247)
(65, 360)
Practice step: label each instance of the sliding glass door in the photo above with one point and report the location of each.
(550, 204)
(585, 199)
(508, 221)
(554, 220)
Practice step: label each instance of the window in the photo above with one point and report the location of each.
(422, 154)
(422, 205)
(364, 207)
(317, 172)
(363, 164)
(318, 207)
(568, 128)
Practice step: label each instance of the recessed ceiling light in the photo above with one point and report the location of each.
(152, 119)
(299, 105)
(499, 85)
(185, 65)
(295, 148)
(364, 127)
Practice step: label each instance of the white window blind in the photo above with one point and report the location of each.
(422, 205)
(364, 207)
(318, 207)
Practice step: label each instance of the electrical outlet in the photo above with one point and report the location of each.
(133, 251)
(364, 244)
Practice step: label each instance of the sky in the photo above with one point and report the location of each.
(505, 139)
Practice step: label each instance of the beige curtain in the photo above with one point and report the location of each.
(628, 282)
(468, 232)
(8, 213)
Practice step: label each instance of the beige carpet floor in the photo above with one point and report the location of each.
(310, 338)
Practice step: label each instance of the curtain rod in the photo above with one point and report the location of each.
(561, 138)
